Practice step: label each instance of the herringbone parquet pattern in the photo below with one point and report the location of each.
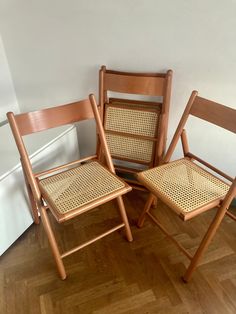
(114, 276)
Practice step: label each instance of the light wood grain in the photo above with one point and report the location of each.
(114, 276)
(215, 113)
(36, 121)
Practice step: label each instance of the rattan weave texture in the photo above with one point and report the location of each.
(185, 184)
(131, 148)
(79, 186)
(131, 118)
(131, 121)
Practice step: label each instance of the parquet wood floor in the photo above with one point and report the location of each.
(114, 276)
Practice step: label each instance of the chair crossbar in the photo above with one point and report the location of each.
(164, 230)
(72, 163)
(77, 248)
(221, 173)
(232, 216)
(125, 134)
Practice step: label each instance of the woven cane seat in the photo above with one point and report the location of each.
(79, 186)
(131, 121)
(125, 120)
(122, 147)
(184, 185)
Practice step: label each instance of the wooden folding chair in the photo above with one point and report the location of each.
(188, 188)
(136, 130)
(72, 189)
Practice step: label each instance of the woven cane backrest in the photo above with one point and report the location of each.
(132, 118)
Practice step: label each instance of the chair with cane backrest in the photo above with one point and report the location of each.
(188, 188)
(72, 189)
(136, 130)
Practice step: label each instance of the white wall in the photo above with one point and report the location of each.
(56, 47)
(8, 100)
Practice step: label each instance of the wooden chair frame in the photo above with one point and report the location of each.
(27, 123)
(145, 84)
(219, 115)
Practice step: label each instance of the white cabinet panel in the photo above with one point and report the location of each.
(47, 150)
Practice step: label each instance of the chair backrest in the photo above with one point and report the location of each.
(31, 122)
(136, 130)
(44, 119)
(215, 113)
(210, 111)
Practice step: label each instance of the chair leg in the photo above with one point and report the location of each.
(124, 218)
(53, 244)
(34, 208)
(154, 203)
(146, 209)
(205, 243)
